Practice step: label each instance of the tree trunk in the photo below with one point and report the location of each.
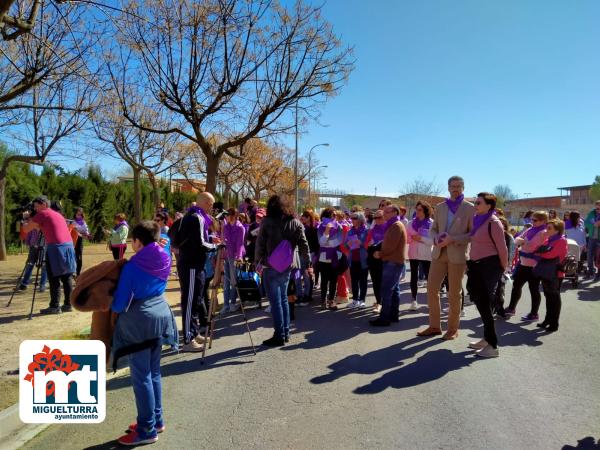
(226, 194)
(155, 189)
(212, 167)
(257, 194)
(137, 196)
(2, 218)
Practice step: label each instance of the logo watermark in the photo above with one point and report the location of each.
(62, 381)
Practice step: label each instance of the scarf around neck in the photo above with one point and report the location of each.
(121, 224)
(530, 234)
(377, 232)
(391, 222)
(153, 260)
(480, 219)
(554, 238)
(325, 222)
(418, 224)
(454, 204)
(208, 221)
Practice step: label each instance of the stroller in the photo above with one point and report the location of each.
(248, 283)
(571, 262)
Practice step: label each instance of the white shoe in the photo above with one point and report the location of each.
(353, 304)
(414, 305)
(268, 309)
(488, 352)
(192, 346)
(361, 305)
(377, 308)
(421, 284)
(200, 339)
(478, 345)
(233, 307)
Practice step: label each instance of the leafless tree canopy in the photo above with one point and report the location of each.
(422, 187)
(225, 67)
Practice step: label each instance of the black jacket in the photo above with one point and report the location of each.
(273, 231)
(190, 240)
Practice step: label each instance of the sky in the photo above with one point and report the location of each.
(499, 92)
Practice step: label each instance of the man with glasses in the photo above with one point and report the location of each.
(392, 254)
(592, 226)
(450, 232)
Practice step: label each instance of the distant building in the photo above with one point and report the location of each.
(577, 195)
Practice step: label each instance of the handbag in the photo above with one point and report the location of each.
(546, 269)
(282, 257)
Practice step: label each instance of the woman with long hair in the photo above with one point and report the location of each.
(281, 247)
(355, 243)
(83, 232)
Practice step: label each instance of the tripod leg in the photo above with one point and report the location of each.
(247, 326)
(19, 280)
(35, 286)
(208, 332)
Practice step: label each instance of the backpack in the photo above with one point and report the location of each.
(175, 234)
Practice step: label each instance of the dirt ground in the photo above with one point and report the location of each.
(16, 327)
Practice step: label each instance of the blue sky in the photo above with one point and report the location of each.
(500, 92)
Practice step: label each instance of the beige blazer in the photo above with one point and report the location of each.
(459, 230)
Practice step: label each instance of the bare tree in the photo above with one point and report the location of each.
(43, 129)
(228, 68)
(420, 189)
(504, 193)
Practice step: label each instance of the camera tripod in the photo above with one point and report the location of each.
(38, 261)
(212, 308)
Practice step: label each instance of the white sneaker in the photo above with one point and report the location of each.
(268, 309)
(414, 305)
(233, 307)
(488, 352)
(192, 346)
(362, 305)
(478, 345)
(353, 304)
(421, 283)
(200, 339)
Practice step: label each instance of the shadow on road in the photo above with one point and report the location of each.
(587, 443)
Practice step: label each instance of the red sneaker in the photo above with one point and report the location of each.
(134, 438)
(133, 427)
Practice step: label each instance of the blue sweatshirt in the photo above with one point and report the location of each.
(135, 284)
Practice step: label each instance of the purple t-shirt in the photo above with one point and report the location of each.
(53, 225)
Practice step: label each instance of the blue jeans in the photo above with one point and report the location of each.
(229, 283)
(145, 378)
(29, 269)
(592, 248)
(276, 284)
(390, 291)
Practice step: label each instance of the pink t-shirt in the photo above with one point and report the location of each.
(53, 225)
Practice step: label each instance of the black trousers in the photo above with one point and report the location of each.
(484, 275)
(359, 277)
(79, 254)
(553, 301)
(55, 281)
(328, 281)
(376, 271)
(192, 282)
(415, 265)
(499, 295)
(118, 252)
(522, 275)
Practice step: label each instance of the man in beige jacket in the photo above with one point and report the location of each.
(450, 233)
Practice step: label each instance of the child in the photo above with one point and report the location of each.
(117, 242)
(145, 323)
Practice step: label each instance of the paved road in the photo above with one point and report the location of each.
(341, 385)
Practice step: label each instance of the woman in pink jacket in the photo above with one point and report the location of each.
(527, 243)
(555, 247)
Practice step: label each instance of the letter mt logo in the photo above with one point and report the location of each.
(62, 381)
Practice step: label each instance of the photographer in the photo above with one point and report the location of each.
(35, 241)
(60, 254)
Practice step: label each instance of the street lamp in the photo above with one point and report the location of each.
(325, 144)
(316, 168)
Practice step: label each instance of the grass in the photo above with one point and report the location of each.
(9, 391)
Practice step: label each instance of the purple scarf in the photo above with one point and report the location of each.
(153, 260)
(480, 219)
(377, 233)
(568, 225)
(390, 222)
(325, 222)
(554, 238)
(80, 222)
(530, 234)
(454, 204)
(207, 219)
(417, 223)
(120, 224)
(358, 232)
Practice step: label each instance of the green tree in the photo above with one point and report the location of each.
(595, 189)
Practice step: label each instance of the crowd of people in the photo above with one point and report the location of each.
(336, 251)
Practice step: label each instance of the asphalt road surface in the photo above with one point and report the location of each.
(339, 384)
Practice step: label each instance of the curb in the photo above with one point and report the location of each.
(13, 432)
